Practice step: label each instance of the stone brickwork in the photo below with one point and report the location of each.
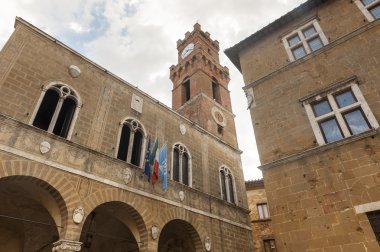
(62, 175)
(261, 228)
(315, 190)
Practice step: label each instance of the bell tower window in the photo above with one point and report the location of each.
(215, 90)
(186, 90)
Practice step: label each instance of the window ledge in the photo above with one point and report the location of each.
(320, 149)
(261, 220)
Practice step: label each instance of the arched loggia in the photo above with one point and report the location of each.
(179, 236)
(32, 214)
(114, 226)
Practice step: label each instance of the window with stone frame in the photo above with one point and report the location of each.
(57, 110)
(181, 171)
(227, 185)
(374, 220)
(262, 209)
(131, 142)
(304, 40)
(370, 8)
(338, 112)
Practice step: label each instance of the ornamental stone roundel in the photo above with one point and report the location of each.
(182, 128)
(208, 243)
(218, 116)
(155, 232)
(44, 147)
(78, 215)
(74, 71)
(127, 175)
(181, 195)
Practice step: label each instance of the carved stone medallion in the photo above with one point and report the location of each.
(127, 175)
(207, 243)
(74, 71)
(181, 195)
(182, 128)
(155, 232)
(78, 215)
(44, 147)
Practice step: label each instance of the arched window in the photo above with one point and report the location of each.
(57, 110)
(227, 185)
(131, 142)
(181, 165)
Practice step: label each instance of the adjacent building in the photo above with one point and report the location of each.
(262, 234)
(73, 144)
(312, 81)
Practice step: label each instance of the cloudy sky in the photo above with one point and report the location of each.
(136, 40)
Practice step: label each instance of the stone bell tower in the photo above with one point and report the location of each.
(200, 85)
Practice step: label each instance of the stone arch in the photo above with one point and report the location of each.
(178, 235)
(33, 214)
(130, 204)
(51, 180)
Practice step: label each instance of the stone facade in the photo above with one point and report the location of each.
(261, 227)
(320, 193)
(72, 193)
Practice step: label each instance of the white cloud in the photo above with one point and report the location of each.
(136, 40)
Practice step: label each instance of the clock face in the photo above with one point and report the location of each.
(188, 49)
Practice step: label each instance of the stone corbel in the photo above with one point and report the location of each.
(66, 246)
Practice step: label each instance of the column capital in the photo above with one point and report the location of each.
(66, 246)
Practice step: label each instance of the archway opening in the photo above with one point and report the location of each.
(30, 214)
(179, 236)
(113, 226)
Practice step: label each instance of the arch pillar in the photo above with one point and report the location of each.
(66, 246)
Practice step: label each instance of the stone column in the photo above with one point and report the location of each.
(66, 246)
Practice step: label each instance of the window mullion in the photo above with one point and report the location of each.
(130, 146)
(226, 178)
(314, 124)
(55, 116)
(304, 42)
(180, 156)
(338, 116)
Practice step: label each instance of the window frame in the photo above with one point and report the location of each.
(337, 112)
(131, 139)
(260, 205)
(304, 40)
(227, 174)
(180, 170)
(63, 94)
(365, 9)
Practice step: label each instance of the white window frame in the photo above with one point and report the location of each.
(303, 41)
(365, 9)
(64, 92)
(265, 214)
(227, 172)
(182, 149)
(131, 138)
(337, 112)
